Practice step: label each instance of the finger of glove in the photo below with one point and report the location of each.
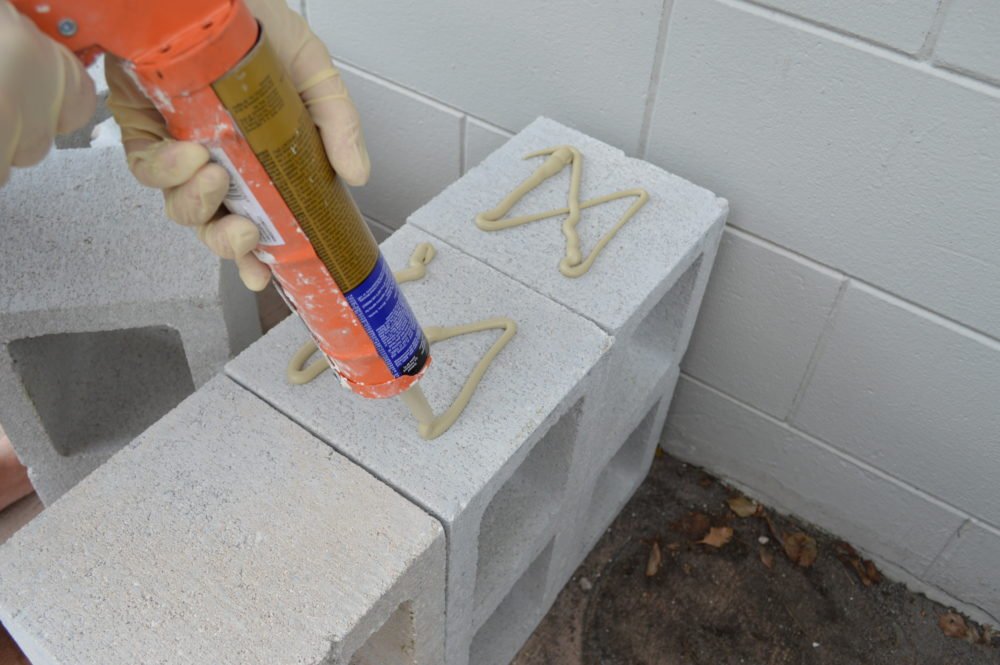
(339, 126)
(79, 95)
(229, 236)
(132, 110)
(253, 273)
(165, 164)
(195, 202)
(310, 68)
(10, 132)
(234, 237)
(43, 83)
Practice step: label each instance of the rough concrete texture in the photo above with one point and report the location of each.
(590, 62)
(100, 290)
(227, 534)
(967, 41)
(902, 26)
(729, 119)
(632, 273)
(498, 479)
(707, 606)
(646, 286)
(610, 480)
(763, 313)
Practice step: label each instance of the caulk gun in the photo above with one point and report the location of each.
(208, 68)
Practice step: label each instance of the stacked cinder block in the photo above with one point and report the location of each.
(109, 313)
(644, 290)
(558, 436)
(499, 479)
(566, 423)
(226, 534)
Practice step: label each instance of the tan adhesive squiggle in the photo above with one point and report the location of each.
(573, 264)
(429, 425)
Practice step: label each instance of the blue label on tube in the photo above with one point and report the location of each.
(389, 321)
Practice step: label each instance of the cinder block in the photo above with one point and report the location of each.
(414, 144)
(796, 474)
(609, 481)
(916, 399)
(109, 313)
(499, 479)
(813, 152)
(899, 25)
(585, 63)
(226, 534)
(967, 42)
(645, 287)
(763, 314)
(480, 140)
(968, 567)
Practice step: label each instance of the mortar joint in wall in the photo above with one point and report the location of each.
(659, 56)
(818, 349)
(934, 31)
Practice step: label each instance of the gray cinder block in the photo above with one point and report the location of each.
(499, 480)
(226, 534)
(110, 314)
(646, 286)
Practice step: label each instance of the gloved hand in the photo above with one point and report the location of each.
(44, 90)
(192, 186)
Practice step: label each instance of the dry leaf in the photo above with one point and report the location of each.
(673, 547)
(717, 536)
(694, 525)
(869, 573)
(771, 527)
(655, 558)
(659, 453)
(953, 625)
(800, 548)
(865, 569)
(706, 480)
(743, 507)
(767, 557)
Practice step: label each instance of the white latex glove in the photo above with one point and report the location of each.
(194, 188)
(44, 91)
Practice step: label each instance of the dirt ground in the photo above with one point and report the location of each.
(705, 605)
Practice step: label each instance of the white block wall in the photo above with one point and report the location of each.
(847, 363)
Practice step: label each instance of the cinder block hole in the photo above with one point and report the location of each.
(393, 643)
(621, 477)
(96, 391)
(505, 630)
(520, 513)
(652, 347)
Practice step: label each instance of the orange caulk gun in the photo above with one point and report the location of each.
(208, 68)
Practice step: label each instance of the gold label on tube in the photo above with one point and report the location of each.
(275, 122)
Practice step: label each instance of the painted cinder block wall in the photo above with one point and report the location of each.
(846, 366)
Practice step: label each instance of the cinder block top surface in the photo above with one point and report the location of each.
(650, 248)
(224, 534)
(529, 385)
(79, 231)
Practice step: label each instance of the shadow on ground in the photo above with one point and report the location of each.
(725, 606)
